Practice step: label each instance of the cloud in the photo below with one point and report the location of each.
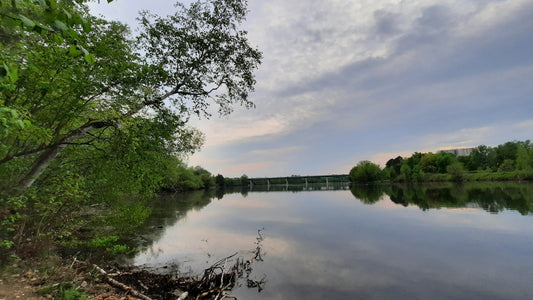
(346, 81)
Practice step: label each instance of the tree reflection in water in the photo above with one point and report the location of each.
(492, 197)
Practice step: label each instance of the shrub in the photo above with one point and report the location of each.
(456, 171)
(365, 171)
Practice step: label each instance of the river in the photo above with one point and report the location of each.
(472, 241)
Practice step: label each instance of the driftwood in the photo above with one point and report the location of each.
(120, 285)
(216, 282)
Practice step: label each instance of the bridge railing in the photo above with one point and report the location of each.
(299, 180)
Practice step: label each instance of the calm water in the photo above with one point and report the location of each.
(423, 242)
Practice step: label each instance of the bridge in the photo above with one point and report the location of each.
(299, 180)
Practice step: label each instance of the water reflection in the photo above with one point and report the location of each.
(167, 209)
(492, 197)
(397, 242)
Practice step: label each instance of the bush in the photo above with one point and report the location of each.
(456, 171)
(365, 171)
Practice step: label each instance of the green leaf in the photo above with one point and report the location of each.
(43, 27)
(73, 51)
(26, 22)
(67, 14)
(13, 75)
(77, 19)
(58, 39)
(60, 25)
(20, 124)
(90, 58)
(86, 26)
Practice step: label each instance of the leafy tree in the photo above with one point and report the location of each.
(365, 171)
(479, 158)
(506, 151)
(219, 180)
(406, 172)
(244, 181)
(89, 113)
(393, 167)
(443, 160)
(524, 156)
(207, 179)
(507, 165)
(174, 68)
(456, 170)
(428, 163)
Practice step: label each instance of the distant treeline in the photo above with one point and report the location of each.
(509, 161)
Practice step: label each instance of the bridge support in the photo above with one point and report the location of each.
(278, 181)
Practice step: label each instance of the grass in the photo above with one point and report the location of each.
(499, 176)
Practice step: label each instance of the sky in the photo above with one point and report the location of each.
(346, 81)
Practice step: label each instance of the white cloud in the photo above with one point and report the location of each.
(374, 77)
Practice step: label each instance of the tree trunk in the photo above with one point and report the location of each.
(44, 160)
(40, 165)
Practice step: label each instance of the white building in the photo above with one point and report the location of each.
(458, 151)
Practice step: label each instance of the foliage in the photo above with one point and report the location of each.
(394, 166)
(72, 293)
(365, 171)
(524, 156)
(492, 197)
(219, 181)
(456, 171)
(511, 161)
(244, 181)
(368, 194)
(91, 115)
(187, 59)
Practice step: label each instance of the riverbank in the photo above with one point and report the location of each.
(42, 273)
(473, 176)
(50, 269)
(58, 278)
(53, 277)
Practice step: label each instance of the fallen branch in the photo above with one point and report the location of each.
(215, 283)
(120, 285)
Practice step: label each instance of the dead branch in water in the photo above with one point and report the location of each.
(215, 282)
(120, 285)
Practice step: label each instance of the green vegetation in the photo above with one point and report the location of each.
(365, 171)
(509, 161)
(493, 197)
(94, 120)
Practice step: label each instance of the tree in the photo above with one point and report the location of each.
(173, 69)
(365, 171)
(506, 151)
(244, 181)
(456, 170)
(443, 160)
(220, 181)
(478, 159)
(428, 163)
(394, 166)
(207, 179)
(524, 156)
